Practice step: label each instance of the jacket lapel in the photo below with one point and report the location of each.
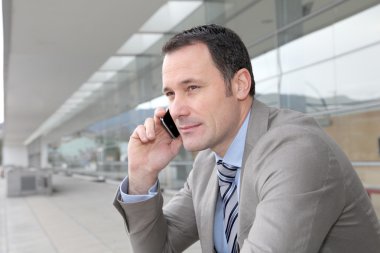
(208, 213)
(257, 127)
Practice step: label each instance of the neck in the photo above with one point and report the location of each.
(221, 152)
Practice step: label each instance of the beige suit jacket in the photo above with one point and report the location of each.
(298, 193)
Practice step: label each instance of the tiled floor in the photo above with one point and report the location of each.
(77, 217)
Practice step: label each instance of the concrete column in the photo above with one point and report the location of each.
(44, 154)
(288, 11)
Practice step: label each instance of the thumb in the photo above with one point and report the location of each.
(176, 145)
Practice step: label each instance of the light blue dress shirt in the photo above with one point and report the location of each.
(233, 156)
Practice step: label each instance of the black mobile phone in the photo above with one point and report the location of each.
(168, 123)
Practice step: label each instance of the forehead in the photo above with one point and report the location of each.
(190, 61)
(191, 55)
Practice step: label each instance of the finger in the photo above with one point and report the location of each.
(150, 128)
(140, 134)
(159, 113)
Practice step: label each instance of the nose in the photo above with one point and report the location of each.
(179, 108)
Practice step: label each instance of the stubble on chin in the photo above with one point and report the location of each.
(194, 145)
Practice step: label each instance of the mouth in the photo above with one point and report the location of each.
(188, 128)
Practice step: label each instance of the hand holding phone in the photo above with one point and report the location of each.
(168, 123)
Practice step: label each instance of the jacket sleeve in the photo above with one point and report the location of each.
(152, 228)
(299, 189)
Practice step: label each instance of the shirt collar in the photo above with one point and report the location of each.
(234, 154)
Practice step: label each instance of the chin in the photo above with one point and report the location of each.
(193, 146)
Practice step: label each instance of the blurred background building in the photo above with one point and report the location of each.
(80, 75)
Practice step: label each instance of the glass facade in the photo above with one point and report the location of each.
(320, 57)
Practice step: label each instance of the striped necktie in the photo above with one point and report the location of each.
(228, 192)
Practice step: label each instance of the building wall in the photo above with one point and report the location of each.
(358, 134)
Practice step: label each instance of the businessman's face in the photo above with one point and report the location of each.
(204, 115)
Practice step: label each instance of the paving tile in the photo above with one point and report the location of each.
(77, 217)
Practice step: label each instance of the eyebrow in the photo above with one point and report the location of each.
(184, 82)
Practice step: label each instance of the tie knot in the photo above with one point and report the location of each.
(226, 173)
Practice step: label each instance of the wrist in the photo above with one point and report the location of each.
(140, 185)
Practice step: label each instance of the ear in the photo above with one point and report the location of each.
(242, 84)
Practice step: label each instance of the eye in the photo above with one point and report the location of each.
(169, 94)
(192, 87)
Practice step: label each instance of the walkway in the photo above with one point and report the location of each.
(77, 217)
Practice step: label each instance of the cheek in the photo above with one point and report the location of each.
(216, 122)
(225, 117)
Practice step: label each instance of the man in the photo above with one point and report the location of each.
(291, 189)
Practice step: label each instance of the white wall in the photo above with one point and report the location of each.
(15, 155)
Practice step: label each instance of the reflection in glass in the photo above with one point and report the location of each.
(317, 57)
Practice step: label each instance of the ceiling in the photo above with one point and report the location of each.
(52, 47)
